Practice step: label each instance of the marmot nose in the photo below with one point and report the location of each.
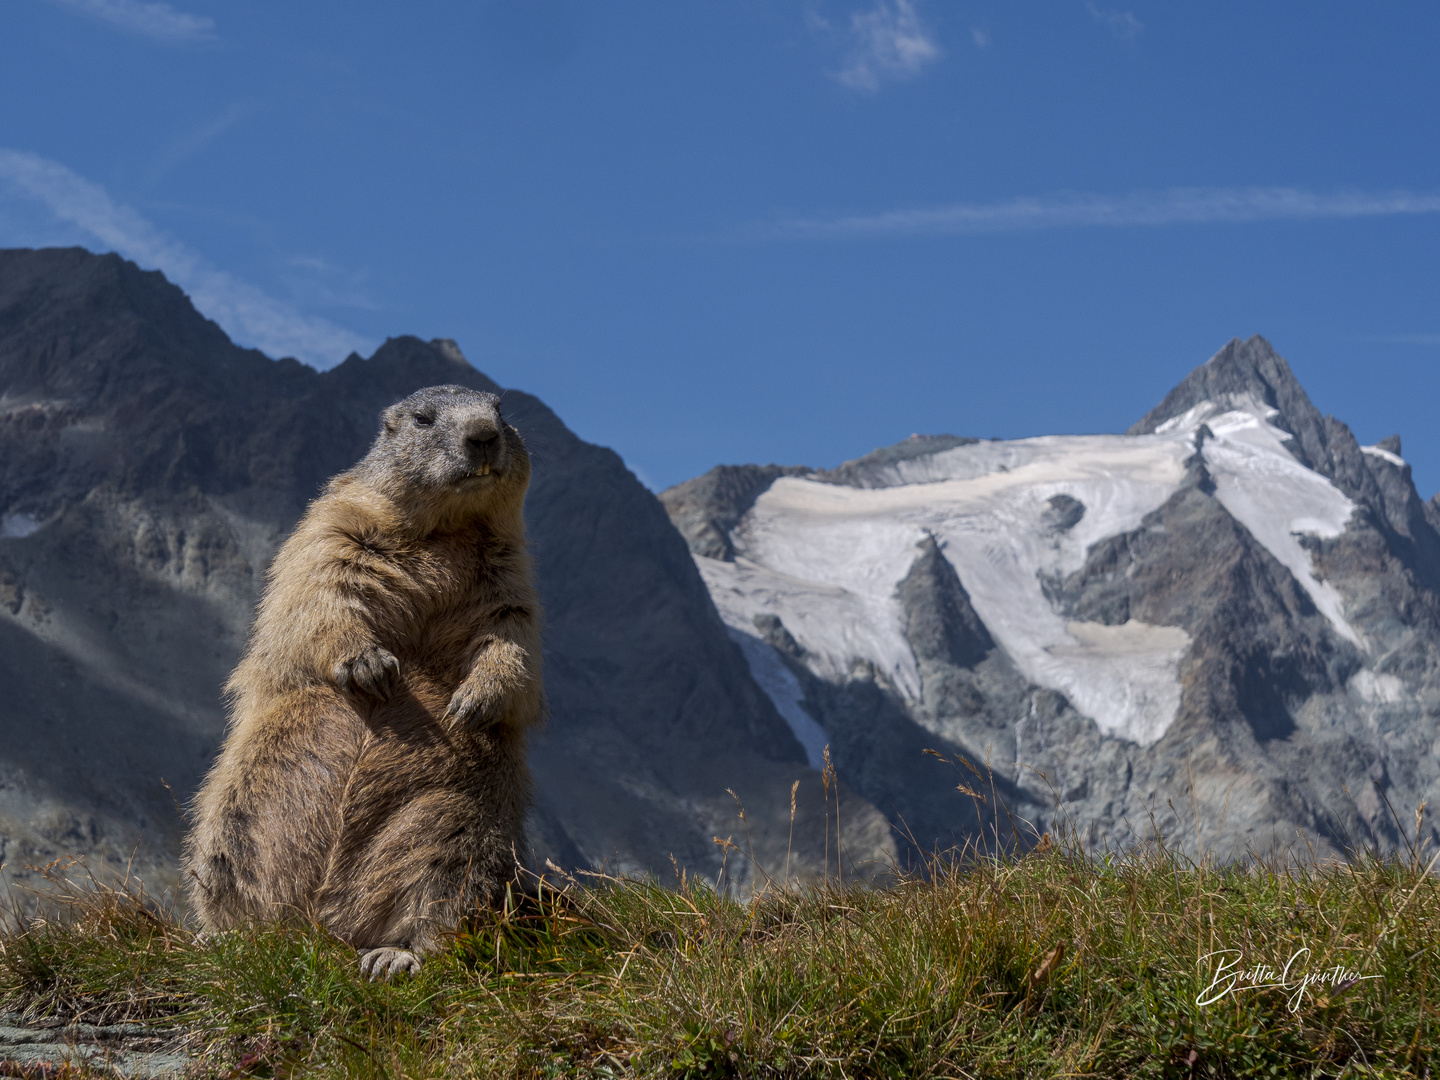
(481, 433)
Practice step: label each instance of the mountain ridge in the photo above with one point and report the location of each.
(1261, 600)
(1214, 626)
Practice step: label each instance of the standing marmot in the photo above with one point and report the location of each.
(374, 777)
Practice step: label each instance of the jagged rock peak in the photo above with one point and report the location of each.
(1252, 368)
(84, 327)
(941, 623)
(448, 348)
(1376, 478)
(396, 365)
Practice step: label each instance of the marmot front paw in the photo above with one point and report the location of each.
(469, 707)
(375, 671)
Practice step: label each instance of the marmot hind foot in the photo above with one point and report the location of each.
(388, 960)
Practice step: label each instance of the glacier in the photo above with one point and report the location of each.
(827, 558)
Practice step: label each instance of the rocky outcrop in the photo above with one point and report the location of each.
(880, 468)
(707, 508)
(149, 469)
(1259, 650)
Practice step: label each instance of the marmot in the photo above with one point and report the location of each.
(374, 778)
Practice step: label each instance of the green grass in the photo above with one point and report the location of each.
(1050, 964)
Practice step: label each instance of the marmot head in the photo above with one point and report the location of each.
(448, 441)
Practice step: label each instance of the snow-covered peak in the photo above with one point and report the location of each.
(827, 558)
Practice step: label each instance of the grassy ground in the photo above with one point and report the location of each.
(1050, 964)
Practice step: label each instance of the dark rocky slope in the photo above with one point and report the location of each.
(148, 470)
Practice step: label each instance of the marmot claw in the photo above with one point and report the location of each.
(375, 671)
(388, 960)
(467, 707)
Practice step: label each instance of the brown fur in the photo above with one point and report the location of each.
(374, 776)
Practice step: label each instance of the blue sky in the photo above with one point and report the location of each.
(767, 230)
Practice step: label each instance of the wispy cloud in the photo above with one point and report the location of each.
(886, 42)
(1409, 339)
(249, 315)
(982, 38)
(1177, 206)
(1123, 24)
(148, 18)
(312, 280)
(196, 139)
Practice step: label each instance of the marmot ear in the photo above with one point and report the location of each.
(390, 418)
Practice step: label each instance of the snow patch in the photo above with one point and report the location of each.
(1386, 455)
(1149, 694)
(836, 626)
(1275, 497)
(1192, 418)
(1378, 689)
(783, 688)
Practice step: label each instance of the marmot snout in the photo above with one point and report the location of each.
(374, 777)
(444, 437)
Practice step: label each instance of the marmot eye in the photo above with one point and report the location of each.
(424, 421)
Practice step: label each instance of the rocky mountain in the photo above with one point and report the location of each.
(1223, 625)
(149, 468)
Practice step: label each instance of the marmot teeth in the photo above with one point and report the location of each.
(484, 469)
